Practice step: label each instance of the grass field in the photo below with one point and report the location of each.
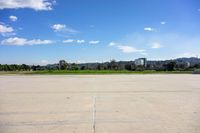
(63, 72)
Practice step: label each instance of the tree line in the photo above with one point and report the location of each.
(112, 65)
(15, 67)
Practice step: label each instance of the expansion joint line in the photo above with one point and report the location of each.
(94, 115)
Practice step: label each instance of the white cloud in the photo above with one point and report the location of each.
(80, 41)
(33, 4)
(144, 53)
(5, 29)
(58, 27)
(62, 28)
(23, 41)
(44, 62)
(126, 48)
(156, 45)
(163, 22)
(129, 49)
(112, 44)
(172, 43)
(13, 18)
(149, 29)
(94, 42)
(68, 41)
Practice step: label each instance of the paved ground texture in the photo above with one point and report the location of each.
(124, 104)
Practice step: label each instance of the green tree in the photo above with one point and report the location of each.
(170, 66)
(113, 65)
(62, 65)
(74, 66)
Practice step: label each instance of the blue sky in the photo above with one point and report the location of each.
(45, 31)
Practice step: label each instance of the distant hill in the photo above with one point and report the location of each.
(191, 60)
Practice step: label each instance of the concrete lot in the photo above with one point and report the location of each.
(124, 104)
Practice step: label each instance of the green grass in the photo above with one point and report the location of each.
(72, 72)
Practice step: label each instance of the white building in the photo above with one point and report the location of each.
(141, 62)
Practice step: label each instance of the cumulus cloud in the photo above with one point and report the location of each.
(94, 42)
(33, 4)
(112, 44)
(58, 27)
(80, 41)
(156, 45)
(13, 18)
(163, 22)
(149, 29)
(23, 41)
(68, 41)
(62, 28)
(129, 49)
(5, 29)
